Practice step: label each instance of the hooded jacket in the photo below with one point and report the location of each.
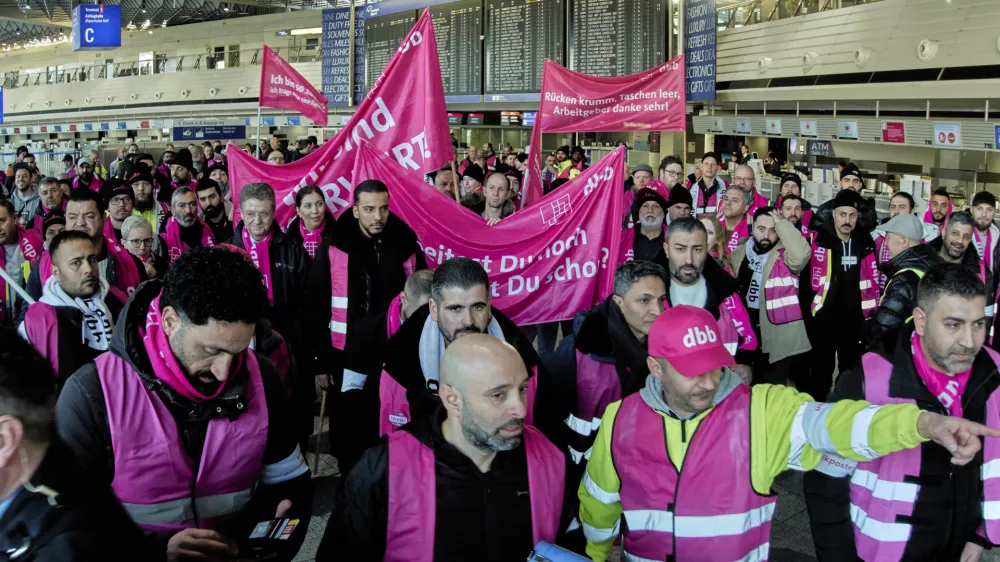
(823, 215)
(108, 272)
(82, 417)
(900, 295)
(375, 275)
(860, 245)
(26, 206)
(84, 522)
(947, 509)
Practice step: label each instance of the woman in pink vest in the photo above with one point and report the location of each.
(187, 425)
(916, 504)
(472, 481)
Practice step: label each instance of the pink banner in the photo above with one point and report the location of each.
(403, 115)
(649, 100)
(545, 263)
(283, 87)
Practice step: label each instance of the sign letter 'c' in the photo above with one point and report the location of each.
(88, 35)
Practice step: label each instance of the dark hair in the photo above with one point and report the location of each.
(941, 192)
(710, 155)
(84, 195)
(215, 284)
(761, 211)
(369, 186)
(670, 160)
(306, 191)
(489, 144)
(792, 197)
(206, 143)
(67, 182)
(27, 387)
(907, 196)
(6, 204)
(64, 237)
(204, 184)
(630, 272)
(948, 279)
(165, 152)
(460, 273)
(28, 155)
(685, 224)
(961, 217)
(302, 144)
(313, 139)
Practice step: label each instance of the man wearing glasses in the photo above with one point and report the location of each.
(120, 201)
(747, 180)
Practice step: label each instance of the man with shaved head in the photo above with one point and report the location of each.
(471, 479)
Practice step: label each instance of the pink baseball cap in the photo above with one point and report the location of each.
(688, 337)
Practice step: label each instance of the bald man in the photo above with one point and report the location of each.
(470, 481)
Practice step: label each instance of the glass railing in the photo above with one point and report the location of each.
(747, 12)
(159, 65)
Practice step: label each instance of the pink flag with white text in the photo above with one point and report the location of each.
(544, 263)
(283, 87)
(403, 115)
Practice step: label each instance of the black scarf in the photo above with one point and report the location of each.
(630, 353)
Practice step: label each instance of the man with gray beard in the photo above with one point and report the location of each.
(643, 238)
(473, 477)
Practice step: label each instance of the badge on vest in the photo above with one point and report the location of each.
(848, 260)
(398, 419)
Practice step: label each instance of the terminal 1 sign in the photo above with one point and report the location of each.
(97, 26)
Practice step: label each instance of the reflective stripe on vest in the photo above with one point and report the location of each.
(412, 503)
(822, 271)
(338, 301)
(990, 472)
(710, 506)
(153, 475)
(918, 272)
(781, 293)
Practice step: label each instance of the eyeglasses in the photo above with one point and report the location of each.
(673, 173)
(120, 200)
(253, 216)
(744, 178)
(140, 242)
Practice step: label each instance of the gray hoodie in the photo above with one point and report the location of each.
(25, 207)
(652, 393)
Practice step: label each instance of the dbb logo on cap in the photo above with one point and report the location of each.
(695, 337)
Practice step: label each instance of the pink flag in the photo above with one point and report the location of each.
(403, 114)
(544, 263)
(283, 87)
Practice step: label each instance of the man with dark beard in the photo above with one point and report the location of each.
(478, 454)
(182, 174)
(220, 174)
(215, 211)
(768, 268)
(184, 230)
(85, 175)
(50, 200)
(188, 425)
(955, 246)
(146, 205)
(119, 199)
(938, 208)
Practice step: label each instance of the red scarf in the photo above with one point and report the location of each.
(31, 245)
(165, 365)
(948, 388)
(261, 258)
(311, 240)
(176, 246)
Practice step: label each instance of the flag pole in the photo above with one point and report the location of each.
(454, 185)
(258, 130)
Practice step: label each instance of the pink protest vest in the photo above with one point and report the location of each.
(821, 272)
(154, 478)
(711, 205)
(42, 327)
(597, 385)
(626, 248)
(781, 293)
(339, 286)
(394, 408)
(95, 184)
(707, 511)
(741, 232)
(412, 509)
(882, 253)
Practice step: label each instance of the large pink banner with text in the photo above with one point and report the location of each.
(403, 115)
(283, 87)
(545, 263)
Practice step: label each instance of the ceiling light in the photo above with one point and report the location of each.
(308, 31)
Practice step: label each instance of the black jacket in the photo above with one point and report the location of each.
(375, 276)
(86, 523)
(485, 517)
(971, 259)
(947, 510)
(900, 295)
(867, 217)
(329, 227)
(82, 422)
(845, 288)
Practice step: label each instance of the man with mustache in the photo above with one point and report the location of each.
(689, 461)
(146, 205)
(955, 246)
(182, 174)
(50, 199)
(459, 305)
(72, 323)
(791, 184)
(459, 474)
(697, 281)
(643, 239)
(85, 176)
(119, 199)
(186, 423)
(215, 211)
(938, 362)
(844, 283)
(184, 230)
(767, 267)
(850, 179)
(938, 208)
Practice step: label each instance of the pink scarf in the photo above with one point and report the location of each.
(176, 246)
(261, 258)
(740, 232)
(165, 365)
(948, 388)
(984, 248)
(392, 321)
(31, 245)
(311, 240)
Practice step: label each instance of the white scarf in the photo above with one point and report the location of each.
(97, 322)
(432, 348)
(756, 263)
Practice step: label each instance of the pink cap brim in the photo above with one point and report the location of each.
(704, 360)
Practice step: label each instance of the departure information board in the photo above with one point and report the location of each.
(617, 37)
(458, 27)
(383, 34)
(520, 35)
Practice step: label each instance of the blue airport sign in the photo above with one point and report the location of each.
(97, 26)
